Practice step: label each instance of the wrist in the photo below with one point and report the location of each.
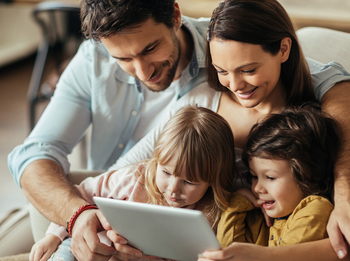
(76, 214)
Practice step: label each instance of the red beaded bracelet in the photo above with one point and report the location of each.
(71, 222)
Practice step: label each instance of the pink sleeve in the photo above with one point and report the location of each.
(57, 230)
(113, 184)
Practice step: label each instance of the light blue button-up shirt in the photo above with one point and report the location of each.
(95, 90)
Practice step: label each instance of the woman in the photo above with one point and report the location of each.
(255, 62)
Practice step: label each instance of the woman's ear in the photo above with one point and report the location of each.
(286, 45)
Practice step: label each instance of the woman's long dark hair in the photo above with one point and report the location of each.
(264, 23)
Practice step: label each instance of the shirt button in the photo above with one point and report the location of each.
(121, 146)
(134, 113)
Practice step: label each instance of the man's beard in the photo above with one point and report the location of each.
(158, 87)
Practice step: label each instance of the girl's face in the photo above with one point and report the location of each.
(177, 191)
(273, 183)
(248, 71)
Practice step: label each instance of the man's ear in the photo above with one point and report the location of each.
(286, 45)
(177, 17)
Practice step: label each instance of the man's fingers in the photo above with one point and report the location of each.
(120, 245)
(337, 240)
(105, 224)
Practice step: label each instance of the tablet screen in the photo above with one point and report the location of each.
(166, 232)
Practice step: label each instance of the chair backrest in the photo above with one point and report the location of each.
(325, 45)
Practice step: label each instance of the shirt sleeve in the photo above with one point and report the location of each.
(325, 76)
(231, 227)
(118, 184)
(63, 122)
(308, 222)
(57, 230)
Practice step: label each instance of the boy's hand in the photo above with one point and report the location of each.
(44, 248)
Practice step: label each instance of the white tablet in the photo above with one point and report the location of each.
(166, 232)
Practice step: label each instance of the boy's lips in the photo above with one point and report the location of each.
(268, 204)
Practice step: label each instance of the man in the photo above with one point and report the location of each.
(145, 57)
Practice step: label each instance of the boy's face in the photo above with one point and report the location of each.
(273, 183)
(149, 52)
(177, 191)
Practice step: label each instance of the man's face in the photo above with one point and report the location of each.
(150, 53)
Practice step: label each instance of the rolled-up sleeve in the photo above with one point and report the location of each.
(63, 122)
(325, 76)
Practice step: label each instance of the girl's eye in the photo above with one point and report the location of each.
(271, 178)
(253, 176)
(167, 173)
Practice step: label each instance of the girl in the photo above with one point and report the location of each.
(290, 157)
(192, 167)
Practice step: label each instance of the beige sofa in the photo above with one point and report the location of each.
(321, 44)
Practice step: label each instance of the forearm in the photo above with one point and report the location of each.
(44, 184)
(310, 251)
(336, 102)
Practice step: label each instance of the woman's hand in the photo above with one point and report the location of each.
(44, 248)
(237, 252)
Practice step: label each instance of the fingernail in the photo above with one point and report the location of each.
(200, 255)
(341, 254)
(138, 254)
(123, 242)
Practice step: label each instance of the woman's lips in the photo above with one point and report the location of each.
(246, 95)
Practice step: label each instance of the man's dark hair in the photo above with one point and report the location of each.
(104, 18)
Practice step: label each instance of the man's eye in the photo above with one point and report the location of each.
(151, 49)
(123, 59)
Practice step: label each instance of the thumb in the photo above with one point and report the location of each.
(105, 224)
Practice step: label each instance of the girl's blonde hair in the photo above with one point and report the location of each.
(203, 143)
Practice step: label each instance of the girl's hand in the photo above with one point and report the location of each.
(44, 248)
(237, 252)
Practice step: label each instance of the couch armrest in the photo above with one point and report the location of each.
(38, 222)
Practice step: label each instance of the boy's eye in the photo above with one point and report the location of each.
(249, 71)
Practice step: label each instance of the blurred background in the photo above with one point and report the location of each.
(25, 90)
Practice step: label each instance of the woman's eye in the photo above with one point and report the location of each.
(188, 182)
(221, 72)
(254, 177)
(271, 178)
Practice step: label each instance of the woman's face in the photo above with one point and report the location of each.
(248, 71)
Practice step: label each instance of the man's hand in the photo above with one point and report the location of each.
(85, 241)
(125, 252)
(338, 225)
